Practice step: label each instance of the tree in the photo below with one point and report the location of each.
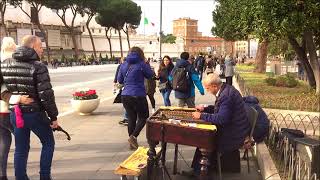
(296, 20)
(132, 17)
(76, 7)
(169, 38)
(36, 5)
(3, 7)
(104, 18)
(90, 8)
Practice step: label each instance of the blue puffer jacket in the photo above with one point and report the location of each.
(261, 129)
(132, 73)
(193, 81)
(230, 118)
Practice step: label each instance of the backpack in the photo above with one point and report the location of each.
(181, 80)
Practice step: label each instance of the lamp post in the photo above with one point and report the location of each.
(160, 43)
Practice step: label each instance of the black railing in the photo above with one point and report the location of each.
(289, 155)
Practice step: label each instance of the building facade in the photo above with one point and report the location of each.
(194, 42)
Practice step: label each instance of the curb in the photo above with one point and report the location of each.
(266, 164)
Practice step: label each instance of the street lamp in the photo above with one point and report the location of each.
(160, 43)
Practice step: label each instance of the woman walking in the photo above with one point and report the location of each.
(131, 75)
(150, 85)
(164, 71)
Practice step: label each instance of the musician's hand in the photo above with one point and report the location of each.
(196, 115)
(54, 124)
(24, 99)
(200, 108)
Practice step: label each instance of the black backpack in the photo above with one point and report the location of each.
(181, 80)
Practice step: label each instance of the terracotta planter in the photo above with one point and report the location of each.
(85, 107)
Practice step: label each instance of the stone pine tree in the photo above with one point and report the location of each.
(36, 6)
(76, 7)
(3, 8)
(104, 18)
(90, 9)
(132, 18)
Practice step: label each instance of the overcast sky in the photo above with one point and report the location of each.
(200, 10)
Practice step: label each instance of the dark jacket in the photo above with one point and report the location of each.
(150, 84)
(164, 76)
(230, 118)
(194, 80)
(132, 73)
(26, 75)
(116, 75)
(261, 129)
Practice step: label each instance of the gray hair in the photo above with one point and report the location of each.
(29, 40)
(212, 79)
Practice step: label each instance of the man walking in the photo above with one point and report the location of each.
(24, 74)
(184, 78)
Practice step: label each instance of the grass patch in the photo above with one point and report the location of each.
(298, 98)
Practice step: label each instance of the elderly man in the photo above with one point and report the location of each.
(24, 74)
(229, 115)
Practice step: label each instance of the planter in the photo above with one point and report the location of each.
(85, 107)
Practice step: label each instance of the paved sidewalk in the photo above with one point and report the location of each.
(99, 144)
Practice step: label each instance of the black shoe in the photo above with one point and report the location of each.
(124, 122)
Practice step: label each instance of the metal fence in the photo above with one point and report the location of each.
(291, 163)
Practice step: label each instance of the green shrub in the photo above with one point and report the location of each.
(291, 81)
(287, 80)
(270, 81)
(281, 81)
(270, 74)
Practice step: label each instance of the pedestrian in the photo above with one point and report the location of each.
(7, 49)
(41, 115)
(164, 72)
(131, 75)
(184, 78)
(118, 87)
(229, 69)
(210, 65)
(200, 65)
(150, 85)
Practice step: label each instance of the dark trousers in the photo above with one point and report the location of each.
(229, 80)
(138, 112)
(5, 142)
(230, 161)
(152, 100)
(32, 122)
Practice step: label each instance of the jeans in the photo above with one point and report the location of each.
(166, 96)
(5, 143)
(138, 112)
(32, 122)
(189, 101)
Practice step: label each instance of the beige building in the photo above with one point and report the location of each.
(194, 42)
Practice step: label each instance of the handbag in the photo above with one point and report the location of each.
(118, 98)
(162, 86)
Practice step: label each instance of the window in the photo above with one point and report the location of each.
(99, 30)
(92, 30)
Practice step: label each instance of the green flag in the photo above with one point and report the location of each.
(146, 21)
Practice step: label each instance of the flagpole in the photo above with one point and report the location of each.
(160, 43)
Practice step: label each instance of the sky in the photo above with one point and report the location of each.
(200, 10)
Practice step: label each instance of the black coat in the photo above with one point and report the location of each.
(24, 74)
